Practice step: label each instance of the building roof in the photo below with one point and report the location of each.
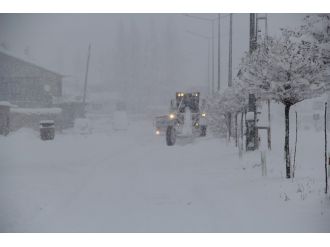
(24, 60)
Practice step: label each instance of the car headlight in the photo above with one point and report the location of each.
(203, 114)
(157, 132)
(172, 116)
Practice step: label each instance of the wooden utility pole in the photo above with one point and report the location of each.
(86, 74)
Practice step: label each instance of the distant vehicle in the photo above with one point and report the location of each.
(186, 117)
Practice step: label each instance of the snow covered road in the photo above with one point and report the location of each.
(130, 181)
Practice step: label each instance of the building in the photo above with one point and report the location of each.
(26, 84)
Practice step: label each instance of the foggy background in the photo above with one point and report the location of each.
(143, 58)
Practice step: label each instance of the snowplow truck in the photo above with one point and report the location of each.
(186, 118)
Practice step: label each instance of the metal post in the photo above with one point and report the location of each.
(208, 66)
(236, 131)
(252, 33)
(230, 63)
(325, 148)
(269, 123)
(266, 26)
(86, 74)
(213, 57)
(219, 50)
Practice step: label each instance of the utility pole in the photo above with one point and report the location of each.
(212, 56)
(230, 63)
(325, 148)
(260, 17)
(253, 35)
(212, 20)
(86, 74)
(250, 123)
(219, 49)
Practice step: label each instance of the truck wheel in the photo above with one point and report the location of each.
(203, 130)
(170, 136)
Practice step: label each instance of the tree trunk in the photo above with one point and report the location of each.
(295, 148)
(287, 140)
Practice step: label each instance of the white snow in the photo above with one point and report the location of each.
(6, 103)
(250, 115)
(187, 126)
(131, 181)
(120, 120)
(82, 126)
(47, 122)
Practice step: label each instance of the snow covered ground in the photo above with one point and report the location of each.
(130, 181)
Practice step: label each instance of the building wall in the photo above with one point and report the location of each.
(4, 119)
(26, 84)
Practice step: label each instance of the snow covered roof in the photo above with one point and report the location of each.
(37, 111)
(47, 122)
(25, 60)
(6, 103)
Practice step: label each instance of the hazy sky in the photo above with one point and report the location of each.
(158, 47)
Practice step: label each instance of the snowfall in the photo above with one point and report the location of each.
(106, 180)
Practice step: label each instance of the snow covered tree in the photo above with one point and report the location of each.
(317, 28)
(287, 70)
(230, 101)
